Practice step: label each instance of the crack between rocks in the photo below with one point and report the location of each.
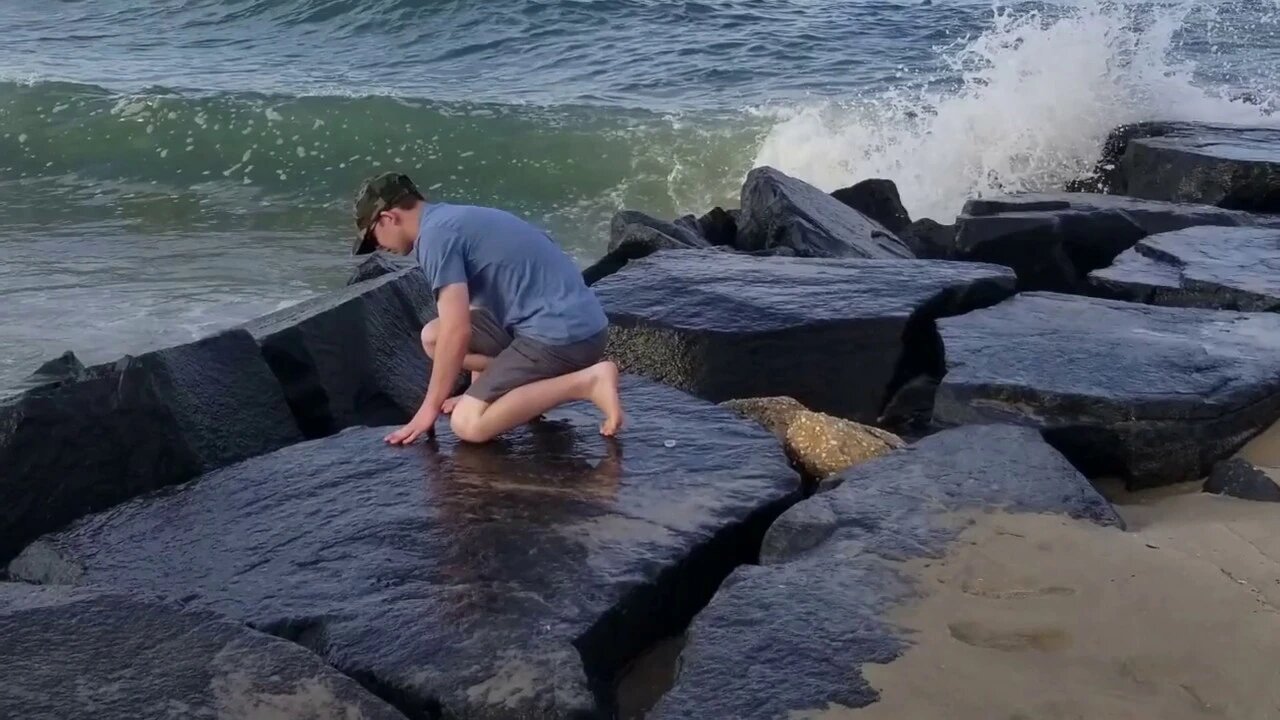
(312, 635)
(665, 606)
(645, 616)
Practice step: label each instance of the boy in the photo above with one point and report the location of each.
(512, 309)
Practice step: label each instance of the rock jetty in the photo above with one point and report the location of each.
(216, 529)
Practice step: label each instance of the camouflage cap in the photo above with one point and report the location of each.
(376, 195)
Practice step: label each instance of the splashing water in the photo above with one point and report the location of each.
(1038, 94)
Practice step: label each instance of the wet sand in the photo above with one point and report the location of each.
(1037, 617)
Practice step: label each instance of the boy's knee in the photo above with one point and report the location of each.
(429, 333)
(466, 427)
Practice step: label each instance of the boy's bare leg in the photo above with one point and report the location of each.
(473, 362)
(477, 421)
(449, 404)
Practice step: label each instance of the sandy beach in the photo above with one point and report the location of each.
(1040, 617)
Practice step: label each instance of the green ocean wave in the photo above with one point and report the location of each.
(201, 157)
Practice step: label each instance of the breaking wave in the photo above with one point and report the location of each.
(1031, 100)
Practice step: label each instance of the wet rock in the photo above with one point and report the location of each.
(720, 227)
(1207, 267)
(1230, 166)
(512, 579)
(1054, 240)
(1107, 176)
(836, 335)
(62, 369)
(878, 199)
(792, 637)
(804, 526)
(379, 263)
(352, 357)
(781, 211)
(688, 224)
(98, 436)
(930, 240)
(73, 653)
(629, 226)
(1239, 478)
(1155, 394)
(633, 235)
(910, 412)
(819, 444)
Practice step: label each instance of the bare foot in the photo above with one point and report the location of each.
(604, 393)
(448, 405)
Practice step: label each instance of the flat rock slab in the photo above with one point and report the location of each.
(1224, 268)
(781, 212)
(506, 580)
(792, 636)
(1054, 240)
(82, 653)
(1153, 393)
(837, 335)
(78, 440)
(353, 356)
(1230, 166)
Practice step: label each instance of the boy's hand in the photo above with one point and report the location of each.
(423, 422)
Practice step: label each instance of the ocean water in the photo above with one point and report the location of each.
(173, 167)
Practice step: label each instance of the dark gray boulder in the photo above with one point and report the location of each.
(1240, 478)
(1054, 240)
(630, 226)
(65, 367)
(633, 235)
(87, 439)
(353, 356)
(84, 653)
(508, 580)
(1225, 268)
(56, 371)
(879, 200)
(792, 637)
(720, 227)
(1231, 166)
(1155, 394)
(837, 335)
(377, 264)
(688, 225)
(781, 211)
(930, 240)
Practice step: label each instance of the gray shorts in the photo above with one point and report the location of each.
(519, 361)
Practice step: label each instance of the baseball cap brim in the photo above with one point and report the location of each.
(364, 244)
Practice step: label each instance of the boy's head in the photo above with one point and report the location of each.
(387, 212)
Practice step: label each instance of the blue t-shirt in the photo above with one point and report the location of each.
(512, 269)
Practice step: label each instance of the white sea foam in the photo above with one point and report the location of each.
(1038, 96)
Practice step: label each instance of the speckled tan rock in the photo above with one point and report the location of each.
(822, 445)
(775, 413)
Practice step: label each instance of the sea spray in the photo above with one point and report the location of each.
(1033, 99)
